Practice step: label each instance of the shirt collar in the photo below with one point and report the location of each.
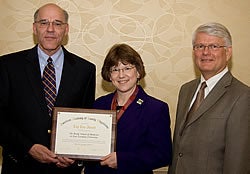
(55, 57)
(211, 82)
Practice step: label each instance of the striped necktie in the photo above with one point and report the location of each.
(49, 84)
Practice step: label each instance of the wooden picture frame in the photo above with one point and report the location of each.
(85, 134)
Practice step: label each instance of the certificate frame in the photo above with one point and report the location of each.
(84, 134)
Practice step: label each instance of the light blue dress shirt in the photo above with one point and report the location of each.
(58, 59)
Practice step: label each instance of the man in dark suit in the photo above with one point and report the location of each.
(24, 116)
(214, 139)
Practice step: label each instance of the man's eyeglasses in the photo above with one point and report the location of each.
(212, 47)
(45, 23)
(126, 70)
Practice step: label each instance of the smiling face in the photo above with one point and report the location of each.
(211, 62)
(50, 37)
(124, 77)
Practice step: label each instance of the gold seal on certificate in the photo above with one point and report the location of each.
(86, 134)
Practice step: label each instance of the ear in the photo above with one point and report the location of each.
(229, 53)
(110, 79)
(34, 29)
(66, 29)
(138, 75)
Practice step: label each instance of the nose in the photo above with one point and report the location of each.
(121, 72)
(206, 50)
(50, 26)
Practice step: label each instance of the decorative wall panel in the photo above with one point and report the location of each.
(160, 30)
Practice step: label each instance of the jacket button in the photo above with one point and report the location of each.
(49, 131)
(180, 154)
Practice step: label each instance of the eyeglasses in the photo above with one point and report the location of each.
(44, 23)
(212, 47)
(126, 70)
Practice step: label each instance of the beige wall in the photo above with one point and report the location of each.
(160, 30)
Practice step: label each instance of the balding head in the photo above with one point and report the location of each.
(51, 6)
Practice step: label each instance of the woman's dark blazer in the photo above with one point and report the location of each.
(143, 136)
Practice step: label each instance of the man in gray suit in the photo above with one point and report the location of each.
(215, 139)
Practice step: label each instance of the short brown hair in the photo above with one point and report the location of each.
(125, 54)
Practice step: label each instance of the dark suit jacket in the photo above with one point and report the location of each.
(24, 118)
(216, 140)
(143, 136)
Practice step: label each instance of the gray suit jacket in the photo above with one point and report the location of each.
(216, 139)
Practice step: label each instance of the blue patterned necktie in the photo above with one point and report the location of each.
(49, 84)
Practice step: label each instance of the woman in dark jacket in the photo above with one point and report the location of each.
(143, 140)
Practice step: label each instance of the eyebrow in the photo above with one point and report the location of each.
(57, 20)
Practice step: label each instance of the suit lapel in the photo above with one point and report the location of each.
(32, 68)
(214, 95)
(129, 115)
(69, 73)
(187, 97)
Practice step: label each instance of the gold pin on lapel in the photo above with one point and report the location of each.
(139, 101)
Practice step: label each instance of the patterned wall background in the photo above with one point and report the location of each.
(160, 30)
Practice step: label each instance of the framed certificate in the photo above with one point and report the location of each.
(86, 134)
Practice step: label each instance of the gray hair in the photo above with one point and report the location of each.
(66, 15)
(214, 29)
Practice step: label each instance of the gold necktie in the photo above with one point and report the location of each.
(199, 98)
